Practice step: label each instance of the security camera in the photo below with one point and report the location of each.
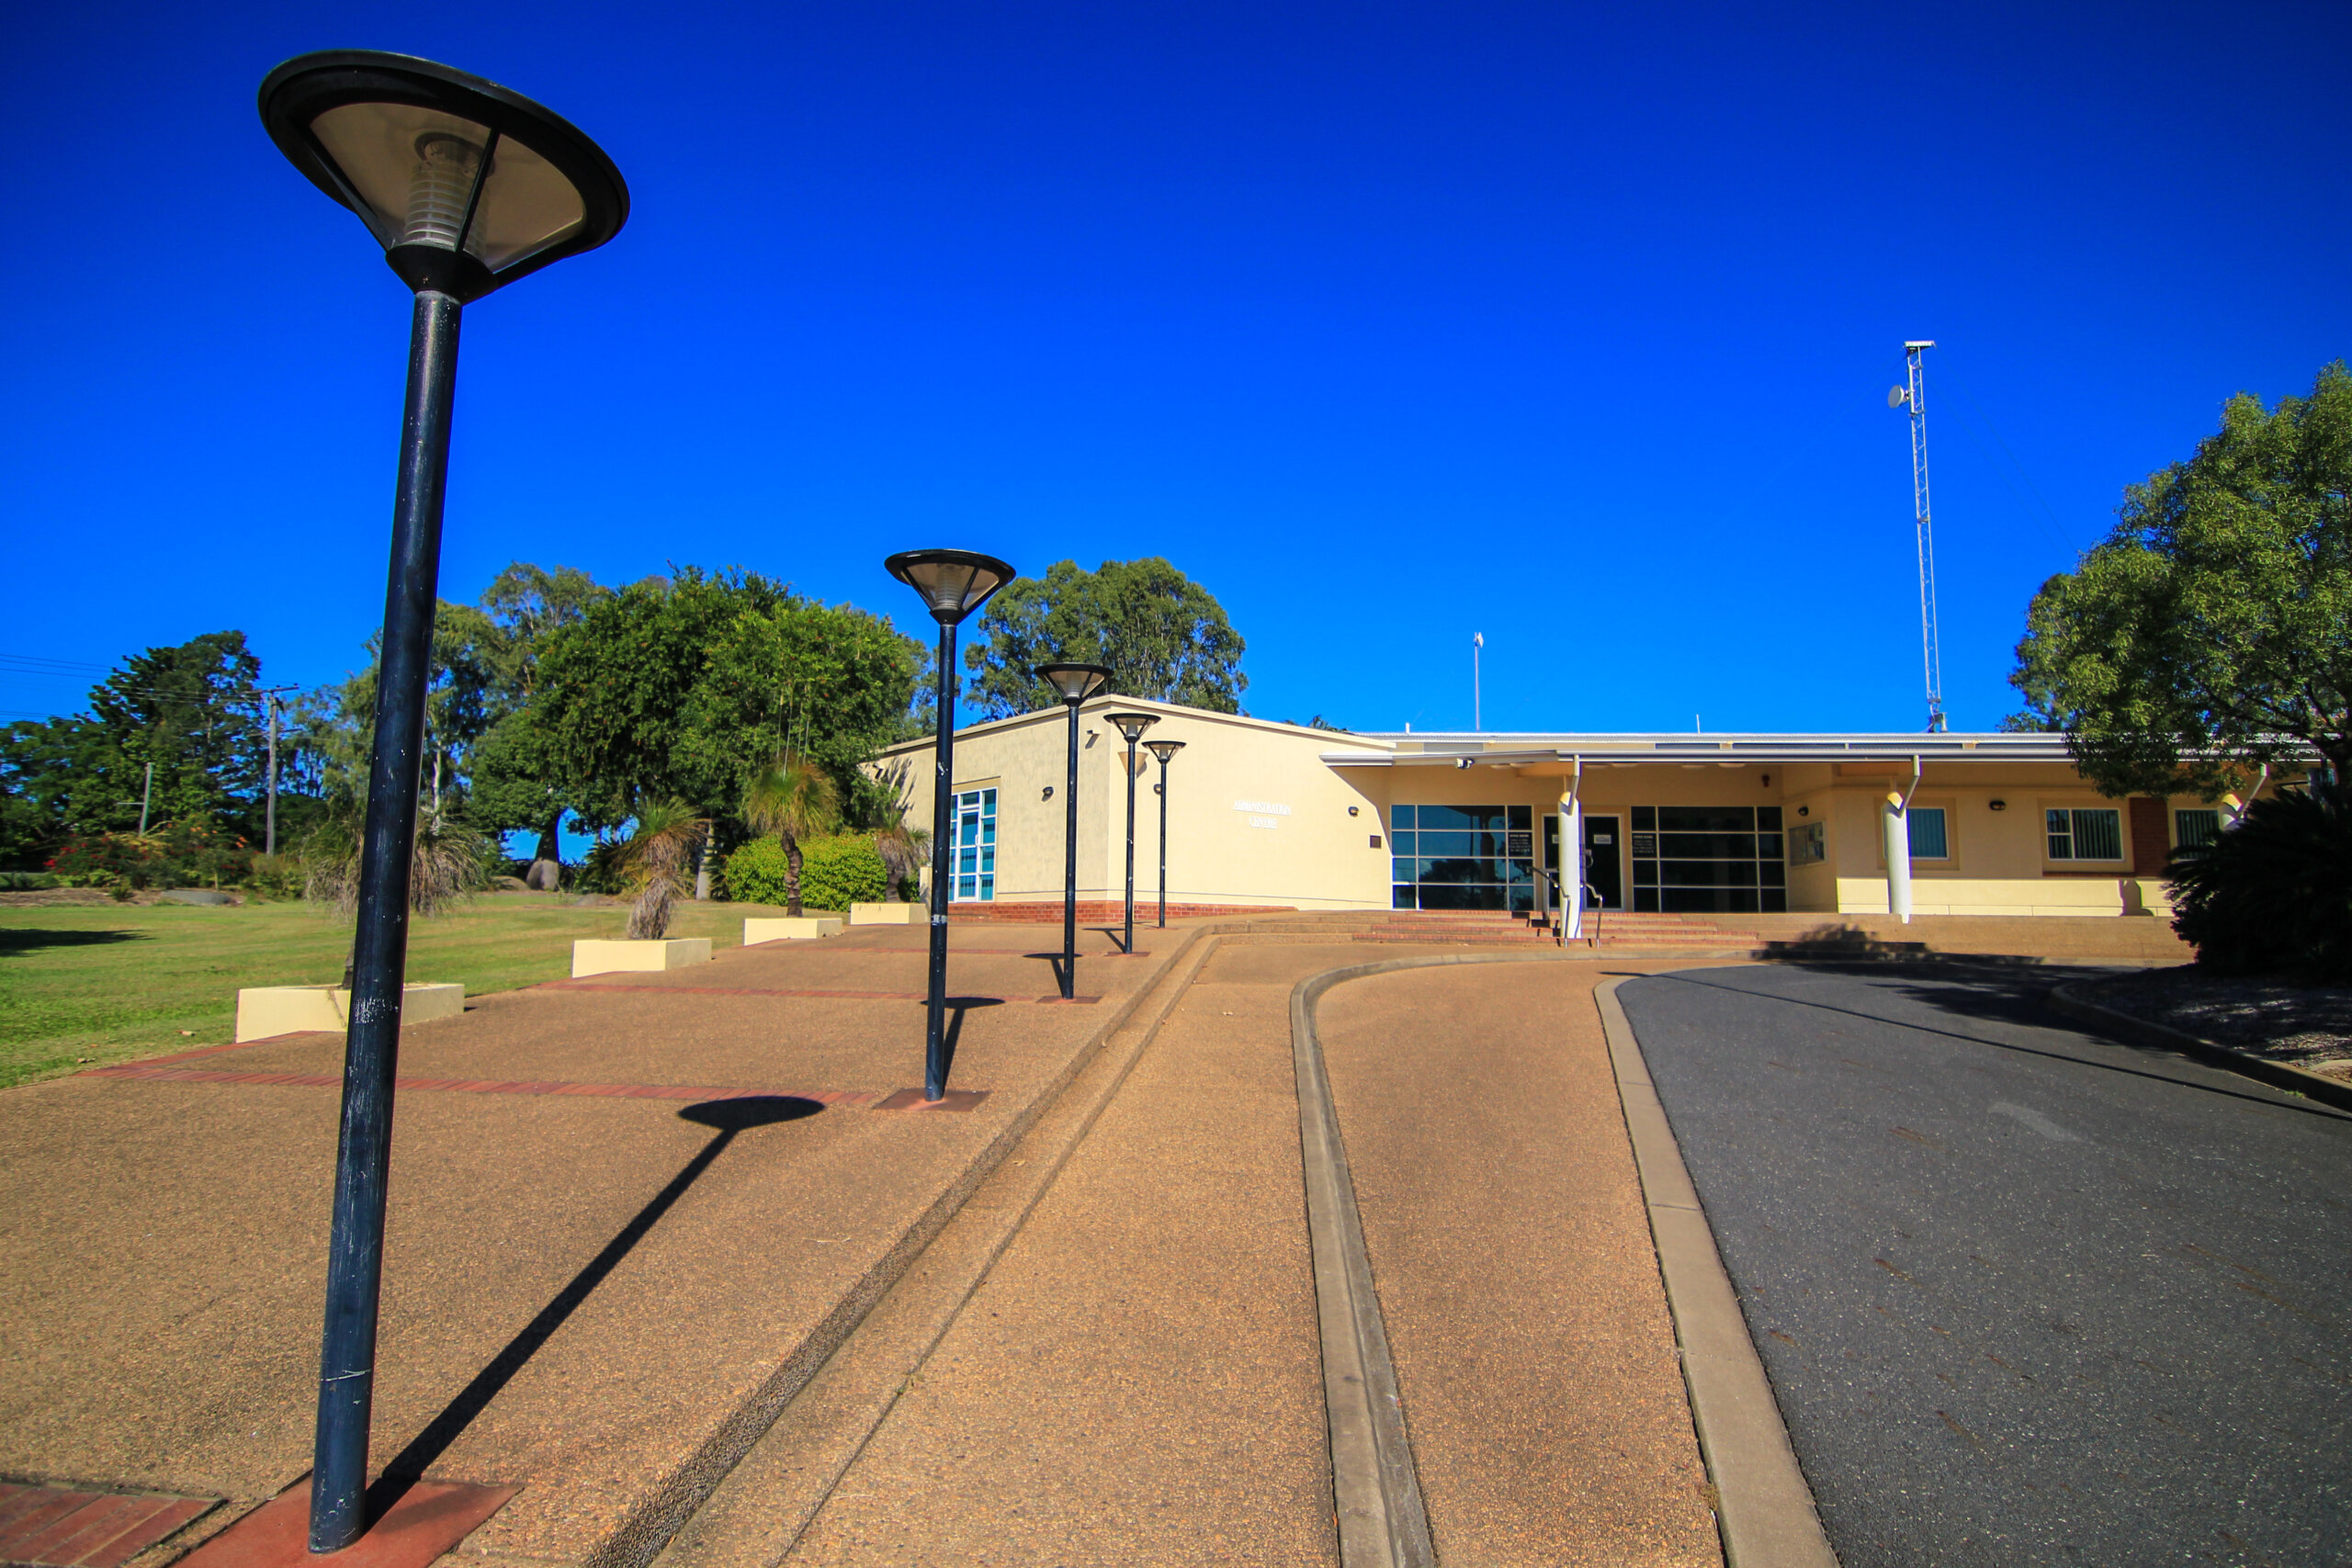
(1462, 761)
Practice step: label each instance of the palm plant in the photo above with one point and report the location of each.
(795, 800)
(902, 849)
(655, 860)
(2274, 892)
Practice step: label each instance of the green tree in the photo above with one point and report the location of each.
(795, 800)
(513, 782)
(2215, 621)
(1162, 635)
(192, 712)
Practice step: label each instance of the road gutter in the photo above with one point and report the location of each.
(1763, 1506)
(2069, 999)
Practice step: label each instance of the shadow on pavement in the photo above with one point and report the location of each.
(1999, 999)
(728, 1117)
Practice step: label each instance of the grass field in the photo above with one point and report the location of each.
(85, 986)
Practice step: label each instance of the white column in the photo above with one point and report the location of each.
(1571, 866)
(1896, 821)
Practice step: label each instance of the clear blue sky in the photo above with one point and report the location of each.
(1389, 324)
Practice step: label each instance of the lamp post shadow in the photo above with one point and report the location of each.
(728, 1117)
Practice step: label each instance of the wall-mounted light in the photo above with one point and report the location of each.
(2000, 805)
(1352, 811)
(1767, 781)
(1804, 810)
(1049, 793)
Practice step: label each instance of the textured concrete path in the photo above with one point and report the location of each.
(2026, 1295)
(601, 1295)
(1512, 1253)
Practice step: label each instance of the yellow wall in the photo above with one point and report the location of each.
(1225, 848)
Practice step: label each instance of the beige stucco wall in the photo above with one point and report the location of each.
(1307, 853)
(1227, 847)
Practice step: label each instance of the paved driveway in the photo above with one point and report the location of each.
(2026, 1297)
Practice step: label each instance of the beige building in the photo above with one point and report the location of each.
(1263, 814)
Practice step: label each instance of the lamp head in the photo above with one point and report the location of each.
(1131, 724)
(465, 185)
(1074, 682)
(952, 584)
(1164, 749)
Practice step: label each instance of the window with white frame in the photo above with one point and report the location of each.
(2195, 830)
(975, 844)
(2085, 833)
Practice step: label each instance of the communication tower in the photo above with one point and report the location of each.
(1911, 395)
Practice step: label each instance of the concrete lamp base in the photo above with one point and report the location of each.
(790, 928)
(887, 914)
(266, 1011)
(612, 957)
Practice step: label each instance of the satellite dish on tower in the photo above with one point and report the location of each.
(1898, 396)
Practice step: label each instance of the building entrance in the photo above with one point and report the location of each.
(1603, 872)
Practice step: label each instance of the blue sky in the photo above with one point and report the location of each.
(1389, 324)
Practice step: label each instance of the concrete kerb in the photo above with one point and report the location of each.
(1382, 1523)
(2069, 999)
(1763, 1505)
(649, 1526)
(746, 1532)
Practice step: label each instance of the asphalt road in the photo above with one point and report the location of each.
(2026, 1295)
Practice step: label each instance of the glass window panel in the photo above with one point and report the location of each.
(2099, 835)
(1775, 900)
(1517, 871)
(1404, 841)
(2195, 830)
(1521, 844)
(2061, 830)
(1400, 816)
(1520, 897)
(1645, 843)
(1645, 870)
(1485, 896)
(1707, 846)
(1459, 869)
(1403, 868)
(1448, 843)
(1771, 874)
(1521, 817)
(1646, 900)
(1768, 818)
(1405, 897)
(1709, 900)
(1447, 816)
(1646, 817)
(1928, 840)
(1706, 873)
(1707, 818)
(1767, 846)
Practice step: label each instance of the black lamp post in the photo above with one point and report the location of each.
(1075, 682)
(1131, 726)
(467, 187)
(952, 584)
(1164, 750)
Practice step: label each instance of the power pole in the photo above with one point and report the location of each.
(146, 795)
(270, 816)
(1911, 395)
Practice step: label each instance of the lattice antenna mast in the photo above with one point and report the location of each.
(1911, 395)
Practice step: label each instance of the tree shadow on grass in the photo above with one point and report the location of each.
(32, 939)
(728, 1117)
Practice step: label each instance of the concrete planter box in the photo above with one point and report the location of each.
(615, 958)
(790, 928)
(886, 914)
(266, 1011)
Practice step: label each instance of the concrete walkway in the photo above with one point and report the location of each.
(599, 1282)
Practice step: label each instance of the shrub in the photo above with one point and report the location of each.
(27, 881)
(2274, 893)
(834, 872)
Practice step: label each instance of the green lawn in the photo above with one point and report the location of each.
(83, 985)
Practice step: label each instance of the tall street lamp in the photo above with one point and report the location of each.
(1131, 726)
(1164, 750)
(1075, 682)
(467, 187)
(952, 584)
